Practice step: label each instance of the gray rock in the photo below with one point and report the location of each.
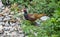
(7, 18)
(0, 0)
(44, 18)
(20, 32)
(1, 4)
(1, 18)
(10, 16)
(1, 32)
(7, 24)
(6, 28)
(11, 30)
(14, 33)
(3, 8)
(21, 35)
(6, 36)
(26, 36)
(12, 13)
(2, 23)
(12, 24)
(6, 33)
(6, 14)
(1, 29)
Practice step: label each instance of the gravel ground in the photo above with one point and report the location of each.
(9, 26)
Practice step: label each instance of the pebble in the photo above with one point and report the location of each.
(1, 6)
(44, 18)
(1, 23)
(9, 26)
(1, 18)
(12, 13)
(11, 30)
(1, 29)
(6, 28)
(6, 24)
(6, 19)
(12, 24)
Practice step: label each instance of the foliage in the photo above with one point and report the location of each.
(49, 28)
(38, 6)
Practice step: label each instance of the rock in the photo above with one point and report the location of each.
(7, 18)
(1, 14)
(12, 13)
(13, 20)
(1, 32)
(11, 30)
(6, 36)
(6, 28)
(0, 0)
(16, 28)
(12, 24)
(5, 14)
(2, 23)
(20, 31)
(1, 19)
(26, 36)
(13, 36)
(6, 32)
(10, 16)
(21, 35)
(14, 33)
(7, 24)
(1, 29)
(3, 8)
(44, 18)
(1, 5)
(6, 10)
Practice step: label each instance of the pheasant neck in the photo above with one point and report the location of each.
(25, 12)
(26, 15)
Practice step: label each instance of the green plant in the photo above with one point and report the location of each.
(37, 6)
(50, 28)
